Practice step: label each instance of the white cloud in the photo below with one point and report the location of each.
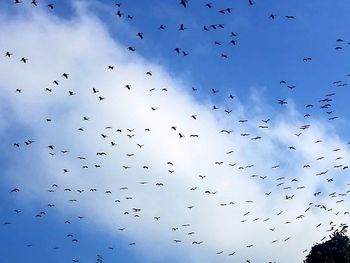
(83, 48)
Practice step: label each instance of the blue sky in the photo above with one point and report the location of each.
(240, 196)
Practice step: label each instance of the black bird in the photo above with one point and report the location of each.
(182, 27)
(140, 35)
(184, 3)
(119, 13)
(282, 102)
(233, 42)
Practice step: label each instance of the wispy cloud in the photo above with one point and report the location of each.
(236, 204)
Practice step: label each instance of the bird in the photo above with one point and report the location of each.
(282, 101)
(178, 50)
(233, 42)
(182, 27)
(184, 3)
(119, 14)
(140, 35)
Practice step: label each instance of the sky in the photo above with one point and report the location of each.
(152, 131)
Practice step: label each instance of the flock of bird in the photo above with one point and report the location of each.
(289, 188)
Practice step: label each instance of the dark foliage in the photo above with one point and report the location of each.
(335, 250)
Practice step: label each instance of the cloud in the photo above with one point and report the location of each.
(232, 207)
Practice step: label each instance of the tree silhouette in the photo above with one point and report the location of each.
(335, 250)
